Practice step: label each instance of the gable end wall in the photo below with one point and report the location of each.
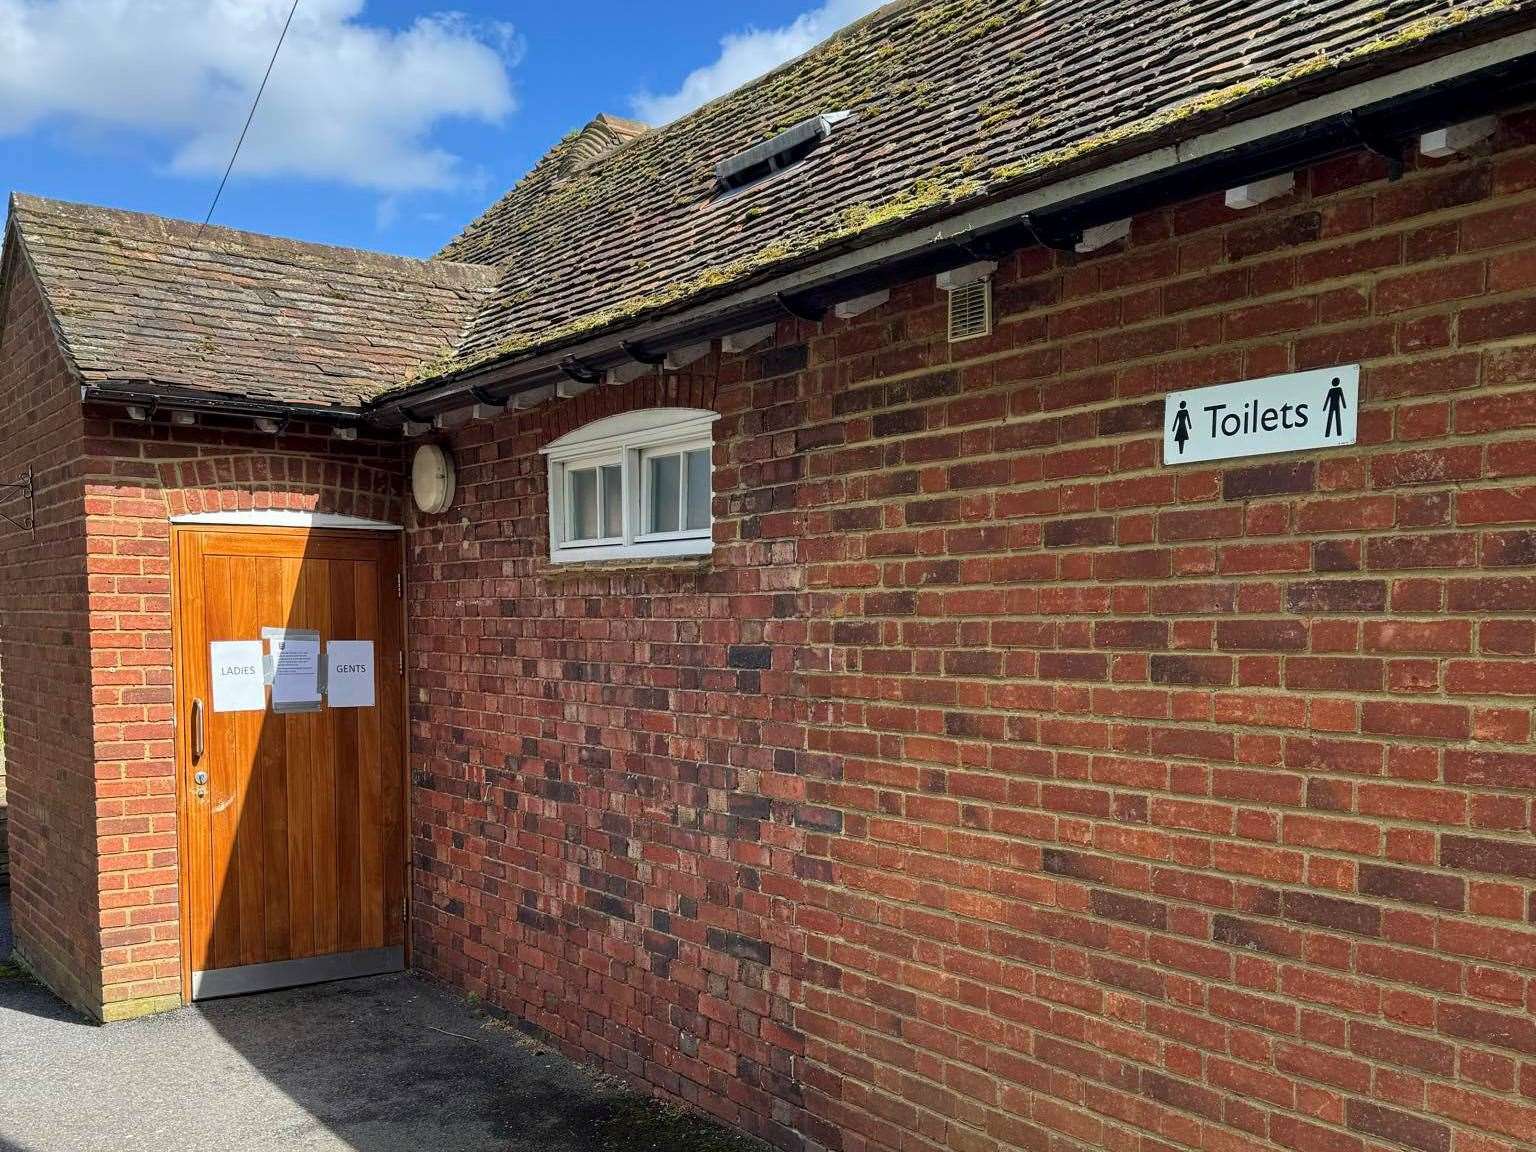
(46, 657)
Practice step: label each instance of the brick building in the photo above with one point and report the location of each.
(827, 702)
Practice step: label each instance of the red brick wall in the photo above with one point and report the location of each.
(995, 786)
(45, 657)
(139, 475)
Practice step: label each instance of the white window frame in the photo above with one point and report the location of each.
(597, 462)
(681, 450)
(629, 440)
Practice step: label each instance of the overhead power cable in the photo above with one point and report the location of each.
(256, 103)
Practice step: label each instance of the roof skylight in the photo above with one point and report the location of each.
(789, 147)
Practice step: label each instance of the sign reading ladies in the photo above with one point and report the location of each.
(1256, 417)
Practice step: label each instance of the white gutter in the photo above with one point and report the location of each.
(1308, 113)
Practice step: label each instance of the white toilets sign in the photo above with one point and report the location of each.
(1257, 417)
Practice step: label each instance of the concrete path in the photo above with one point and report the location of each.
(392, 1064)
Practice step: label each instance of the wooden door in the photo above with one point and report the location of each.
(292, 822)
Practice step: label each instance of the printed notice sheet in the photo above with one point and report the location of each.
(349, 674)
(296, 669)
(238, 684)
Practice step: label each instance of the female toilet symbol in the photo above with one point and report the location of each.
(1334, 405)
(1181, 423)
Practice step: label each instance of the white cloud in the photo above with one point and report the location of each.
(746, 55)
(347, 101)
(386, 213)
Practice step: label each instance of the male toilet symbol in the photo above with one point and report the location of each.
(1181, 423)
(1334, 405)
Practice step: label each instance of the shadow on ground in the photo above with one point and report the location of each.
(390, 1064)
(5, 922)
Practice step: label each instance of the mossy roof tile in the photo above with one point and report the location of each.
(955, 101)
(139, 297)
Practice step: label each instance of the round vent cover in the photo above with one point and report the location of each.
(432, 479)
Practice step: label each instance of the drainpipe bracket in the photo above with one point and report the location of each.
(640, 356)
(800, 309)
(1378, 142)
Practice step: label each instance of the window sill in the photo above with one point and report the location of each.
(626, 566)
(685, 548)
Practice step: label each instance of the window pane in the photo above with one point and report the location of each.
(582, 513)
(666, 479)
(698, 488)
(613, 501)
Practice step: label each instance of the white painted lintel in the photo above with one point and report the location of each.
(284, 518)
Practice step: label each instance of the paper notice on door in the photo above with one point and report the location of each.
(296, 670)
(238, 685)
(349, 674)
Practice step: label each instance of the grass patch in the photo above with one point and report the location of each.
(9, 971)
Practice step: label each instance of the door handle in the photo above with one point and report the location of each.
(197, 730)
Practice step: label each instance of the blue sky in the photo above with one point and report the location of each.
(387, 123)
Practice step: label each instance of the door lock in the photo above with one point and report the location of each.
(200, 779)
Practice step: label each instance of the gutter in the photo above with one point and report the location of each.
(1375, 114)
(154, 395)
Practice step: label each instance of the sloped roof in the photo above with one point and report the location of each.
(955, 101)
(139, 297)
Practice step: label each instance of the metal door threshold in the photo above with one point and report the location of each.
(290, 973)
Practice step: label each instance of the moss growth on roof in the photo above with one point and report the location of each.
(1235, 93)
(137, 296)
(926, 194)
(877, 68)
(441, 364)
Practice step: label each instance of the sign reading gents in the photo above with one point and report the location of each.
(1289, 413)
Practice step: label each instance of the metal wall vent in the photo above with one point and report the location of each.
(790, 146)
(970, 310)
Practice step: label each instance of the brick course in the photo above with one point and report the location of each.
(5, 854)
(993, 786)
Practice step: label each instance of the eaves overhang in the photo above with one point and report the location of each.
(168, 396)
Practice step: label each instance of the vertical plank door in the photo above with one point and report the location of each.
(292, 822)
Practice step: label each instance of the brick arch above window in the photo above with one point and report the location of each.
(641, 423)
(659, 390)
